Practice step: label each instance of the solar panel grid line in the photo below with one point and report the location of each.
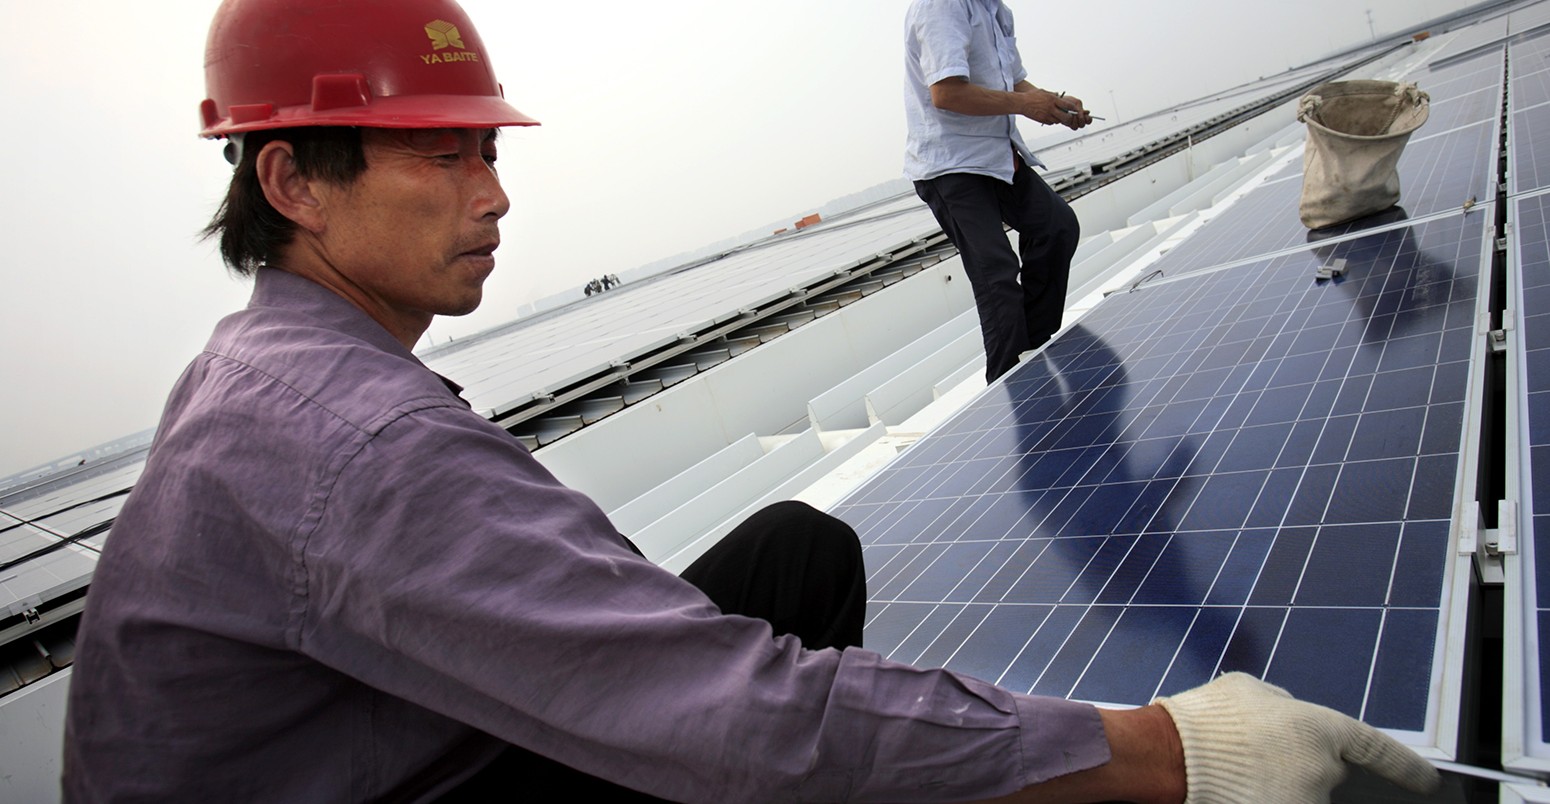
(1438, 133)
(1448, 81)
(1000, 674)
(1076, 682)
(1441, 71)
(1532, 31)
(1479, 35)
(987, 555)
(1470, 108)
(931, 555)
(1515, 218)
(1535, 106)
(1531, 38)
(918, 627)
(1372, 666)
(1361, 231)
(1530, 91)
(1530, 69)
(1534, 15)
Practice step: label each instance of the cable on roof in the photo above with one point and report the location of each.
(20, 522)
(93, 530)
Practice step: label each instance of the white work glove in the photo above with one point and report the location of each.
(1248, 741)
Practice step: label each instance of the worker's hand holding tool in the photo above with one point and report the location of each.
(1054, 108)
(1075, 114)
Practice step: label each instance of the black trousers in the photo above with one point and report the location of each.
(1020, 296)
(794, 566)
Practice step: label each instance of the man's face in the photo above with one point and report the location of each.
(412, 237)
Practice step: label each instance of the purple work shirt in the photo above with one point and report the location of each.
(336, 582)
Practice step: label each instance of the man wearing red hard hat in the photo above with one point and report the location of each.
(336, 582)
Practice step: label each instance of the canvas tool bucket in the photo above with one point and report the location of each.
(1356, 132)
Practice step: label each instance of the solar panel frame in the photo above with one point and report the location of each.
(1526, 589)
(1526, 600)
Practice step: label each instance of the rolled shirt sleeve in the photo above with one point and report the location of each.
(941, 42)
(495, 596)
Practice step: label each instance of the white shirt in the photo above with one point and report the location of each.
(972, 39)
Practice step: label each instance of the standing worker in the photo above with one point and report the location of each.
(965, 87)
(334, 581)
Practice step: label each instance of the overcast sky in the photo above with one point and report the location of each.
(666, 126)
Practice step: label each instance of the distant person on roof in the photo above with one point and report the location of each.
(964, 89)
(334, 581)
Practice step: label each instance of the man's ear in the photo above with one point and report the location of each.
(290, 193)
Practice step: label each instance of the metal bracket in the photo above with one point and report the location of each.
(32, 616)
(1331, 270)
(1136, 285)
(1496, 339)
(1469, 529)
(1505, 541)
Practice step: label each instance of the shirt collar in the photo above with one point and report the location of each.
(274, 287)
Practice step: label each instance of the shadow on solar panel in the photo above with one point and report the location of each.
(1245, 469)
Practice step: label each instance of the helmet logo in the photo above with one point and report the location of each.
(443, 34)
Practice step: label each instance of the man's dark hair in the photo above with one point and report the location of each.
(251, 231)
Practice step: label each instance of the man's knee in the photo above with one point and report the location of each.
(796, 521)
(1067, 222)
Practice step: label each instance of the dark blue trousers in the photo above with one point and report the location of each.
(1020, 295)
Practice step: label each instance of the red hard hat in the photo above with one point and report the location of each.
(375, 63)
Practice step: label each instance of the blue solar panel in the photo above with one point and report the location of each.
(1469, 41)
(1530, 142)
(1528, 166)
(1448, 162)
(1445, 78)
(1530, 75)
(1436, 173)
(1529, 620)
(1478, 106)
(1243, 469)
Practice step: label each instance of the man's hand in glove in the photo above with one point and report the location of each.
(1236, 740)
(1245, 740)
